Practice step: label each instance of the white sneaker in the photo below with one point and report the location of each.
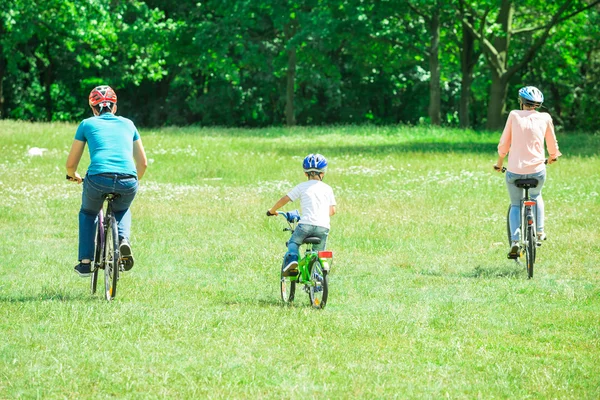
(541, 236)
(291, 269)
(514, 250)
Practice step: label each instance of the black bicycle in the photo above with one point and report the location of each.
(106, 253)
(106, 248)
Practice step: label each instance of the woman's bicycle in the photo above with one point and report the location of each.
(528, 240)
(313, 269)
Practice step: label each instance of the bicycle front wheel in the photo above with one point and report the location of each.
(288, 287)
(111, 259)
(318, 288)
(98, 248)
(530, 249)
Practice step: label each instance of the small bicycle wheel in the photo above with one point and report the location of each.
(111, 259)
(318, 288)
(288, 288)
(98, 247)
(530, 249)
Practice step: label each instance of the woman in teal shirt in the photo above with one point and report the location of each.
(117, 162)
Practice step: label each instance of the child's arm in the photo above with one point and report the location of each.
(332, 210)
(280, 203)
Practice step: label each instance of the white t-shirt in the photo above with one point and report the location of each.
(315, 199)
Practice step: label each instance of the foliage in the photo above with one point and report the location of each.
(224, 62)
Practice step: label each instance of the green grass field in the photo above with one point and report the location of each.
(423, 302)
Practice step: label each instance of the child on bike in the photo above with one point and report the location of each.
(523, 140)
(318, 205)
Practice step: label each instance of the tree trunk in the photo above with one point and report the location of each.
(2, 72)
(47, 80)
(500, 74)
(468, 58)
(434, 69)
(290, 116)
(495, 114)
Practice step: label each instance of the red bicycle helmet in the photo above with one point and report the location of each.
(103, 96)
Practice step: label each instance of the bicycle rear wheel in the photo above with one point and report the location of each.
(98, 247)
(111, 259)
(530, 249)
(288, 287)
(318, 289)
(508, 225)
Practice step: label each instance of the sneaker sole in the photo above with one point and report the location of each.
(85, 275)
(291, 269)
(514, 253)
(126, 257)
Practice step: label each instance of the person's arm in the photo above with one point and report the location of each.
(139, 156)
(552, 143)
(504, 144)
(332, 211)
(73, 159)
(280, 203)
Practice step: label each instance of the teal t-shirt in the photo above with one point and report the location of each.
(110, 143)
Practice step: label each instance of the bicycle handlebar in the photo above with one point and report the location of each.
(503, 170)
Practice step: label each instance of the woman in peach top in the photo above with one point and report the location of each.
(523, 141)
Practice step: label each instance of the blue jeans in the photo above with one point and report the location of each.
(301, 232)
(95, 187)
(516, 194)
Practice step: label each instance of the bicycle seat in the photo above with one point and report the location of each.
(312, 240)
(526, 183)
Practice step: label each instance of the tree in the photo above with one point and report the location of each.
(502, 62)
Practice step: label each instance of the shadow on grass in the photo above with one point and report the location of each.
(572, 144)
(513, 270)
(255, 302)
(47, 294)
(575, 145)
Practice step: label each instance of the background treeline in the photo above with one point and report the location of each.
(278, 62)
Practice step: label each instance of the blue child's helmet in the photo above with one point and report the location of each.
(531, 96)
(314, 162)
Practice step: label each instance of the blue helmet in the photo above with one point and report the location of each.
(531, 96)
(314, 162)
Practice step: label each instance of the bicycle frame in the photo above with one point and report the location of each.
(313, 269)
(325, 257)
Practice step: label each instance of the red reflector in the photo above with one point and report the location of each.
(529, 203)
(326, 254)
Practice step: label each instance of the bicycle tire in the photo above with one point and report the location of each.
(530, 251)
(508, 225)
(111, 259)
(287, 287)
(98, 247)
(319, 288)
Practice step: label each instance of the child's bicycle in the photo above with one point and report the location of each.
(313, 269)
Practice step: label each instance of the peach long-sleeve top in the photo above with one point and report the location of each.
(523, 141)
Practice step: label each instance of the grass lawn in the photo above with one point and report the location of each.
(423, 302)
